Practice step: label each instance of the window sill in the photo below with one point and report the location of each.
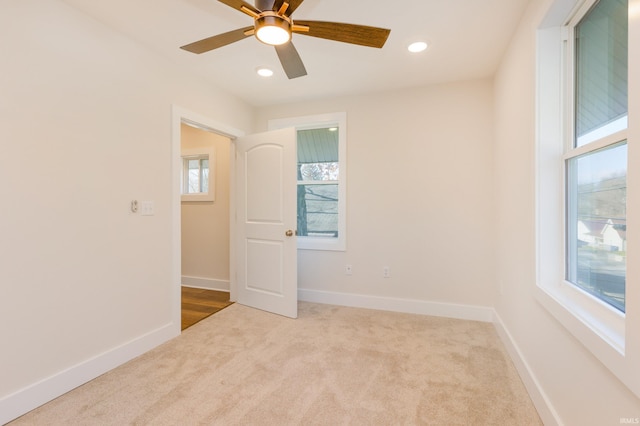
(197, 197)
(588, 318)
(605, 339)
(314, 243)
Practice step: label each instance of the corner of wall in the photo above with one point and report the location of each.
(540, 399)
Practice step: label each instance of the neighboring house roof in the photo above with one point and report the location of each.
(619, 226)
(317, 146)
(597, 228)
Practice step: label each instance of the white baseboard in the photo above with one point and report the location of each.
(21, 402)
(206, 283)
(411, 306)
(547, 413)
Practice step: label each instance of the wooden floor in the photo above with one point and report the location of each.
(197, 304)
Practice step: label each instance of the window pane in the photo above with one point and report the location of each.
(193, 186)
(205, 174)
(601, 71)
(318, 145)
(318, 210)
(597, 224)
(319, 171)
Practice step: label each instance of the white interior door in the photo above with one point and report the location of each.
(266, 182)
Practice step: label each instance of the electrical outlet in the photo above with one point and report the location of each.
(386, 272)
(348, 270)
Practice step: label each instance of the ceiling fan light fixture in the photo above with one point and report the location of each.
(273, 30)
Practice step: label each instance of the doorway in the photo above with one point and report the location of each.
(205, 213)
(206, 223)
(265, 165)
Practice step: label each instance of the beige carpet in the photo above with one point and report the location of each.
(331, 366)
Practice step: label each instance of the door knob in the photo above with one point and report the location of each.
(289, 233)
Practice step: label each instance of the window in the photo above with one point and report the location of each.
(596, 161)
(586, 183)
(197, 174)
(318, 182)
(321, 151)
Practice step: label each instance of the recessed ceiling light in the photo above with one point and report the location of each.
(264, 72)
(418, 46)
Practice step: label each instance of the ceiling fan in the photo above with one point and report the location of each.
(273, 25)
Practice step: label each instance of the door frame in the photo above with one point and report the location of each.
(181, 115)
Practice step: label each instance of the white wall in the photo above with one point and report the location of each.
(419, 196)
(435, 191)
(577, 387)
(85, 121)
(205, 224)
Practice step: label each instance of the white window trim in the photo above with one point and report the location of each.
(338, 119)
(611, 336)
(208, 152)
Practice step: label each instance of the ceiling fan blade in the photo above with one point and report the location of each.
(217, 41)
(290, 60)
(346, 33)
(293, 5)
(237, 4)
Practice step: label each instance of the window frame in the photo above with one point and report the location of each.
(207, 153)
(610, 335)
(611, 320)
(338, 119)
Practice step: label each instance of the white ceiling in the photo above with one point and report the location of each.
(466, 40)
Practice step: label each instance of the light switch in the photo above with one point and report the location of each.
(147, 208)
